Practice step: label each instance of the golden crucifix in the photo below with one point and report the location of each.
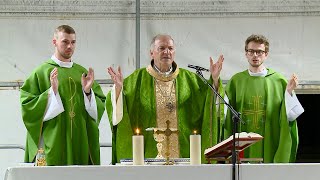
(167, 132)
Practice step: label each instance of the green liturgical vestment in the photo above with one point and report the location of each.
(261, 102)
(72, 137)
(195, 111)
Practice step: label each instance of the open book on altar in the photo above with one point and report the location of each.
(224, 148)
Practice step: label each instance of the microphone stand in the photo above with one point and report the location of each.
(235, 117)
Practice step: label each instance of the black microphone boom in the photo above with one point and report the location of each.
(198, 68)
(235, 116)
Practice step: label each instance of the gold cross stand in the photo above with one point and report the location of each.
(167, 132)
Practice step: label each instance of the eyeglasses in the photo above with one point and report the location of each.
(251, 52)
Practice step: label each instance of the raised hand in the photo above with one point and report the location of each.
(54, 80)
(116, 76)
(292, 83)
(215, 69)
(87, 80)
(117, 79)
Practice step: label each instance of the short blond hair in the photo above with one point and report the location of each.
(64, 28)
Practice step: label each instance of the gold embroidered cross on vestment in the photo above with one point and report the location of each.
(257, 111)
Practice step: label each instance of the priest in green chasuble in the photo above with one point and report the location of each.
(268, 106)
(62, 106)
(162, 92)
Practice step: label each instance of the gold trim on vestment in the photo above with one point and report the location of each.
(165, 91)
(257, 111)
(160, 77)
(72, 113)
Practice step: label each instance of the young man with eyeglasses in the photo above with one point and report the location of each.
(268, 106)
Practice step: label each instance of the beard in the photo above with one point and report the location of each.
(66, 55)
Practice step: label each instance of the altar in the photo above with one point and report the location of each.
(161, 172)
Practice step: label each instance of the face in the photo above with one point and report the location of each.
(163, 52)
(256, 54)
(64, 46)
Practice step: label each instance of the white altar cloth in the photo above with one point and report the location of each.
(174, 172)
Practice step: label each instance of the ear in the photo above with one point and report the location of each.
(267, 53)
(151, 54)
(54, 41)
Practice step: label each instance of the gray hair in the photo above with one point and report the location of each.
(158, 37)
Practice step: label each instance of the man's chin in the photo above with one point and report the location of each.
(255, 65)
(167, 61)
(67, 56)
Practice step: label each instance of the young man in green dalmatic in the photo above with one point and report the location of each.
(268, 106)
(62, 106)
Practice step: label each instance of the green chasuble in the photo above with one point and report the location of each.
(72, 137)
(261, 102)
(195, 111)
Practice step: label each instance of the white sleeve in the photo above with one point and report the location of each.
(91, 104)
(54, 106)
(225, 109)
(293, 106)
(117, 106)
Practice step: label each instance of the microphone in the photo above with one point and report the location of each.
(198, 68)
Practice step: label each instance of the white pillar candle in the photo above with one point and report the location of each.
(138, 149)
(195, 149)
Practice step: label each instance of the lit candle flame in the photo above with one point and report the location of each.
(137, 131)
(194, 132)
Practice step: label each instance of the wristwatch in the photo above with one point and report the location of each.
(87, 94)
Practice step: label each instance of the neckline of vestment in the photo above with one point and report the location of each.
(160, 77)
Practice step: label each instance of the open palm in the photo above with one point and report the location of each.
(87, 81)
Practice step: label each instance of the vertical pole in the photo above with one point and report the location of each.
(137, 34)
(234, 155)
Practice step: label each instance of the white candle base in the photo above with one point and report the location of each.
(195, 149)
(138, 150)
